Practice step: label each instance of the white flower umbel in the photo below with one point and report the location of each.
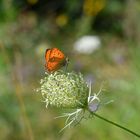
(69, 90)
(65, 90)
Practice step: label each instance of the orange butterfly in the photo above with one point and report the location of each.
(55, 59)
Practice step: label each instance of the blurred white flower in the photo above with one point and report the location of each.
(87, 44)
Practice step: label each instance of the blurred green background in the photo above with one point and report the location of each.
(29, 27)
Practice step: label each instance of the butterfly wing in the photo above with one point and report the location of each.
(56, 53)
(54, 59)
(47, 55)
(52, 66)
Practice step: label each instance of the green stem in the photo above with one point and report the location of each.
(113, 123)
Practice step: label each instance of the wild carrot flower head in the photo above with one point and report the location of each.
(67, 90)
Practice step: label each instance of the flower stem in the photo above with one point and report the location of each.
(113, 123)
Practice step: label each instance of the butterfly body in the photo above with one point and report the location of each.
(55, 59)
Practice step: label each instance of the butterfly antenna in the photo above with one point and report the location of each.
(66, 66)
